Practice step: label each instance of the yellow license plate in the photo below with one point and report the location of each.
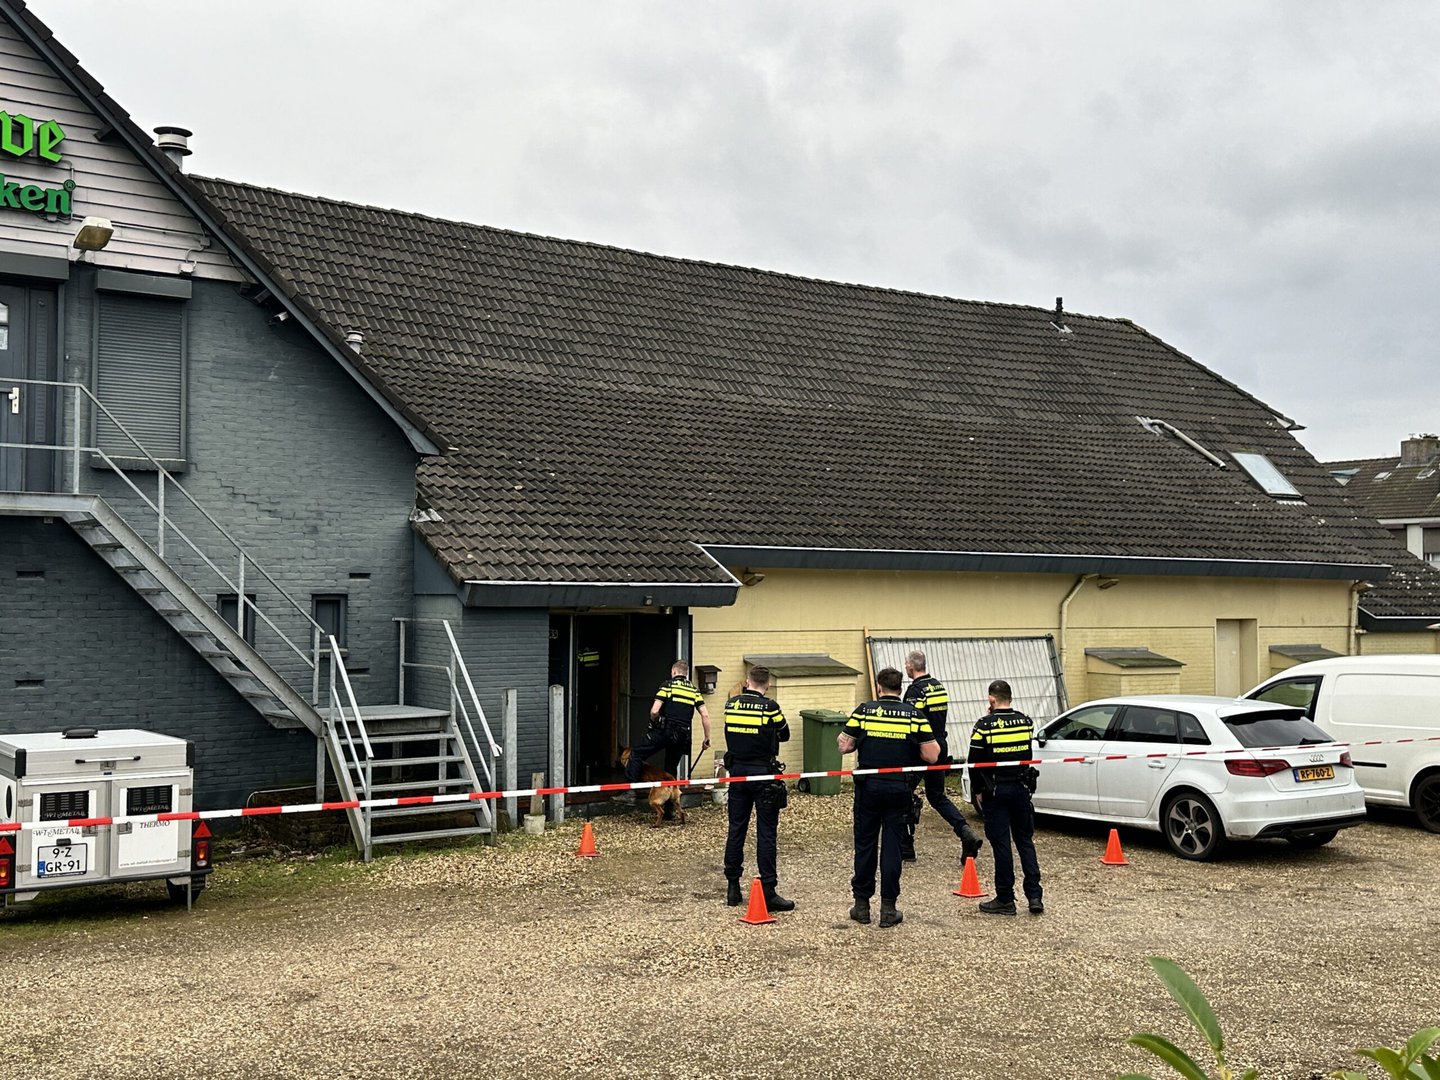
(1315, 772)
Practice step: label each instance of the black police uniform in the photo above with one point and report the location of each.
(888, 733)
(1004, 736)
(928, 694)
(670, 730)
(754, 729)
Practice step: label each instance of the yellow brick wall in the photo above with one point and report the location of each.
(825, 611)
(1424, 642)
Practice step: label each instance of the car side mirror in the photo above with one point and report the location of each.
(1041, 740)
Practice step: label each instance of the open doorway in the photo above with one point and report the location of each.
(617, 660)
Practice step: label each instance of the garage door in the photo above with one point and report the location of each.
(967, 666)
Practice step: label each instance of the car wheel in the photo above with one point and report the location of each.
(1192, 826)
(1314, 839)
(1426, 801)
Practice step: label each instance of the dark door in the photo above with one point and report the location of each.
(27, 412)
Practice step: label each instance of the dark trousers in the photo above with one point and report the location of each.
(939, 799)
(673, 738)
(1009, 814)
(880, 810)
(741, 799)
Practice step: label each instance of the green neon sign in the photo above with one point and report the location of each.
(21, 137)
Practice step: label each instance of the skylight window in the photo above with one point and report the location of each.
(1264, 473)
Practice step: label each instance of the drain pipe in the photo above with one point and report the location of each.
(1065, 615)
(1356, 588)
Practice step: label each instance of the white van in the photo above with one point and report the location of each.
(1358, 698)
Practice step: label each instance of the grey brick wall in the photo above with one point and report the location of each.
(504, 648)
(295, 461)
(108, 660)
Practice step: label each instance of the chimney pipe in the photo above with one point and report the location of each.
(355, 339)
(174, 143)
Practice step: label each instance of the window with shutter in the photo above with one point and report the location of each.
(140, 377)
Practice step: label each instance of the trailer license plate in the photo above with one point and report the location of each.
(61, 860)
(1315, 772)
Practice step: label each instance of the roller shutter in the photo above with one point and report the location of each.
(140, 376)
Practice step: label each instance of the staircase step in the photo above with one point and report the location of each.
(384, 739)
(420, 787)
(83, 521)
(415, 811)
(400, 762)
(433, 834)
(106, 545)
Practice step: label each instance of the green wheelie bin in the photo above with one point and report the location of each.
(820, 752)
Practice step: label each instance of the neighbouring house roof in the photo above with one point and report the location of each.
(610, 414)
(1389, 491)
(1302, 653)
(1136, 656)
(793, 665)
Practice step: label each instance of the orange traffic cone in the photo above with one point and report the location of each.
(1113, 855)
(587, 844)
(757, 913)
(970, 881)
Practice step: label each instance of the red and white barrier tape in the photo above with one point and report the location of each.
(645, 785)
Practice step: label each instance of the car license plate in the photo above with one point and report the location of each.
(1315, 772)
(62, 859)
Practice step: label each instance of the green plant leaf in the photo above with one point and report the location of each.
(1183, 989)
(1169, 1053)
(1431, 1066)
(1419, 1043)
(1389, 1060)
(1347, 1074)
(1251, 1074)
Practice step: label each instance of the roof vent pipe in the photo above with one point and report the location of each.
(1059, 321)
(174, 143)
(355, 339)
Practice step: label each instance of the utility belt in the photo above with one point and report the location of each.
(769, 793)
(1027, 776)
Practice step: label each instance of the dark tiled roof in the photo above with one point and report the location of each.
(607, 410)
(1391, 491)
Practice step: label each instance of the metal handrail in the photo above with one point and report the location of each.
(469, 685)
(158, 507)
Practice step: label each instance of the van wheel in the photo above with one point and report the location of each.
(1192, 826)
(1426, 801)
(1314, 839)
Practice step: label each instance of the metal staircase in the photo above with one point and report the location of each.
(373, 751)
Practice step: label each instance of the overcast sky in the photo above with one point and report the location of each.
(1257, 183)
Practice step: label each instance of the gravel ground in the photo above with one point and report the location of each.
(522, 960)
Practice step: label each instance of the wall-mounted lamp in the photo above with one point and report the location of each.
(1107, 582)
(94, 234)
(708, 676)
(751, 577)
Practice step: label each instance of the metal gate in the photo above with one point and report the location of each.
(967, 666)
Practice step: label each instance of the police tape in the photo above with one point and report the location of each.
(461, 799)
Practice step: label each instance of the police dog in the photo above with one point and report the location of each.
(658, 796)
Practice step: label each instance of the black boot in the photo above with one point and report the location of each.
(888, 915)
(732, 893)
(775, 902)
(861, 911)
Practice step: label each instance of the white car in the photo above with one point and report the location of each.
(1159, 763)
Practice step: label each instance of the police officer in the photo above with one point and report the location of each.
(754, 729)
(888, 732)
(676, 702)
(929, 695)
(1003, 789)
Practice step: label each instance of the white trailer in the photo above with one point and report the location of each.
(49, 780)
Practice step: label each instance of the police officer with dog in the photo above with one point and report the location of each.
(928, 694)
(675, 704)
(887, 733)
(1000, 743)
(754, 729)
